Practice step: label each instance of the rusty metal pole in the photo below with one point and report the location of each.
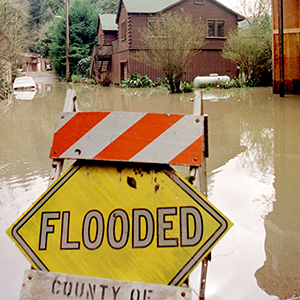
(203, 190)
(199, 176)
(281, 48)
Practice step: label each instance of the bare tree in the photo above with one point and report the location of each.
(171, 39)
(254, 10)
(13, 33)
(250, 46)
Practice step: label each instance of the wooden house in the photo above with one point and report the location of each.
(286, 53)
(107, 33)
(33, 62)
(134, 15)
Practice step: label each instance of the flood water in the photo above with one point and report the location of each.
(253, 178)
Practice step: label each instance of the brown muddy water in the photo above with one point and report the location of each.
(253, 178)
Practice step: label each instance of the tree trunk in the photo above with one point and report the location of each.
(177, 81)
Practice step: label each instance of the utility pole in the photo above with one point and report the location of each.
(67, 43)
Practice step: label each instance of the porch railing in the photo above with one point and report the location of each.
(104, 50)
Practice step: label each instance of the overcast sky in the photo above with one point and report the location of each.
(229, 3)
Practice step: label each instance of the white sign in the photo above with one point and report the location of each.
(43, 285)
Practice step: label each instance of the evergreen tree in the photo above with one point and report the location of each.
(82, 36)
(37, 10)
(108, 6)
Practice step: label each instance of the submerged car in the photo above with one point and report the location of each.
(24, 83)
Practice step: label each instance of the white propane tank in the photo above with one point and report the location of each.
(211, 79)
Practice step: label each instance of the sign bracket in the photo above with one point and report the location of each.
(71, 105)
(199, 176)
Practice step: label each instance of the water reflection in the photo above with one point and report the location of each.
(137, 100)
(280, 273)
(240, 178)
(253, 159)
(24, 95)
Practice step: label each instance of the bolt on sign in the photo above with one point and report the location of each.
(57, 286)
(125, 221)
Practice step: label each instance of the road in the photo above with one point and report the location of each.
(45, 77)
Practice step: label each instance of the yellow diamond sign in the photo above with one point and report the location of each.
(128, 222)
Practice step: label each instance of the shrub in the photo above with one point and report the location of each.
(90, 81)
(186, 87)
(76, 78)
(83, 66)
(162, 82)
(234, 83)
(137, 81)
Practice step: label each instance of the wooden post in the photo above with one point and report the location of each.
(199, 176)
(67, 42)
(70, 105)
(281, 48)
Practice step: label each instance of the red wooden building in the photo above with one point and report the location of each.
(286, 70)
(116, 42)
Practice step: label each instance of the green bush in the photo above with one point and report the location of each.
(137, 81)
(186, 87)
(83, 66)
(90, 81)
(234, 83)
(162, 82)
(76, 78)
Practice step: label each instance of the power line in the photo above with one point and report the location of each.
(47, 12)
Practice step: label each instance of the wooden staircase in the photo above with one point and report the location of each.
(104, 66)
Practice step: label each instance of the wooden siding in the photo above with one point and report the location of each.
(115, 68)
(210, 10)
(291, 30)
(201, 64)
(110, 36)
(106, 37)
(138, 23)
(143, 69)
(119, 59)
(208, 61)
(123, 43)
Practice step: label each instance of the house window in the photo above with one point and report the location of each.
(156, 23)
(151, 24)
(211, 28)
(157, 27)
(220, 28)
(123, 30)
(216, 28)
(199, 1)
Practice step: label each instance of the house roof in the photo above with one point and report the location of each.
(108, 22)
(154, 6)
(148, 6)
